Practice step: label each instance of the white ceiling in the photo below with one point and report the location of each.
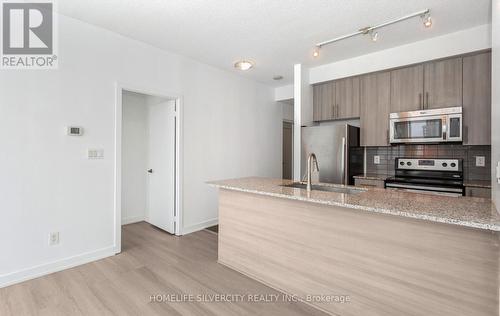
(275, 34)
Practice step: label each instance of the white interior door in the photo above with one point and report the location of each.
(161, 188)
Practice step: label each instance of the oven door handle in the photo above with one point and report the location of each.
(426, 188)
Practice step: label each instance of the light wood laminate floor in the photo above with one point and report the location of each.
(152, 262)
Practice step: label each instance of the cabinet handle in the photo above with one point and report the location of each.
(420, 101)
(427, 100)
(337, 114)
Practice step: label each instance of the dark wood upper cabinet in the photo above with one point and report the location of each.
(443, 83)
(324, 101)
(328, 108)
(316, 102)
(336, 99)
(375, 98)
(477, 99)
(347, 98)
(407, 89)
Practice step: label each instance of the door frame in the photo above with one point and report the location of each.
(178, 205)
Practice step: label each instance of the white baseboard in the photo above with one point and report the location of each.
(55, 266)
(133, 219)
(196, 227)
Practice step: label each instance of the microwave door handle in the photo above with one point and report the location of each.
(445, 127)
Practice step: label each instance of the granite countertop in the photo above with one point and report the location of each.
(370, 176)
(477, 184)
(463, 211)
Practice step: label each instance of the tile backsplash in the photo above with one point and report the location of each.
(467, 153)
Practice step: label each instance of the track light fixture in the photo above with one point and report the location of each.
(425, 15)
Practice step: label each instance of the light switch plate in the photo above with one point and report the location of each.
(376, 160)
(95, 154)
(480, 161)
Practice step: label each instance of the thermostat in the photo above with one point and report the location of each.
(75, 131)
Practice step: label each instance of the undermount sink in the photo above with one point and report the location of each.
(327, 188)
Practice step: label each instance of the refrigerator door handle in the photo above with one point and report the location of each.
(344, 151)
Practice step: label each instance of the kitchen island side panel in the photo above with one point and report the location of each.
(387, 265)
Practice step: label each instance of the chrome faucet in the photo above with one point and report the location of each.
(310, 160)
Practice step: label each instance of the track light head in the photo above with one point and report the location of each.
(316, 51)
(427, 20)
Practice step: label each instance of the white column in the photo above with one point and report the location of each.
(303, 114)
(495, 104)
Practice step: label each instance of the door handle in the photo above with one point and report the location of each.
(445, 128)
(427, 100)
(150, 170)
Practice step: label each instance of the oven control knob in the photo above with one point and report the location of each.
(444, 164)
(408, 163)
(453, 165)
(402, 163)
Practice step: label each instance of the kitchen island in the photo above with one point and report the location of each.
(388, 252)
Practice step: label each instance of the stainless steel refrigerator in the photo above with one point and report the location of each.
(337, 149)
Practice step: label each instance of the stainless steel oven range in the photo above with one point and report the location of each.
(433, 176)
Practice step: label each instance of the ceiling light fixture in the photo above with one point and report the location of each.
(370, 29)
(243, 65)
(316, 52)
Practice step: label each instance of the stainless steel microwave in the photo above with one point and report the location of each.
(426, 126)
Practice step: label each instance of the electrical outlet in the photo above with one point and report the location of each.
(376, 160)
(54, 239)
(480, 161)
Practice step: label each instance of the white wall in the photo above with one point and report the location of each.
(469, 40)
(232, 128)
(283, 93)
(495, 113)
(287, 110)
